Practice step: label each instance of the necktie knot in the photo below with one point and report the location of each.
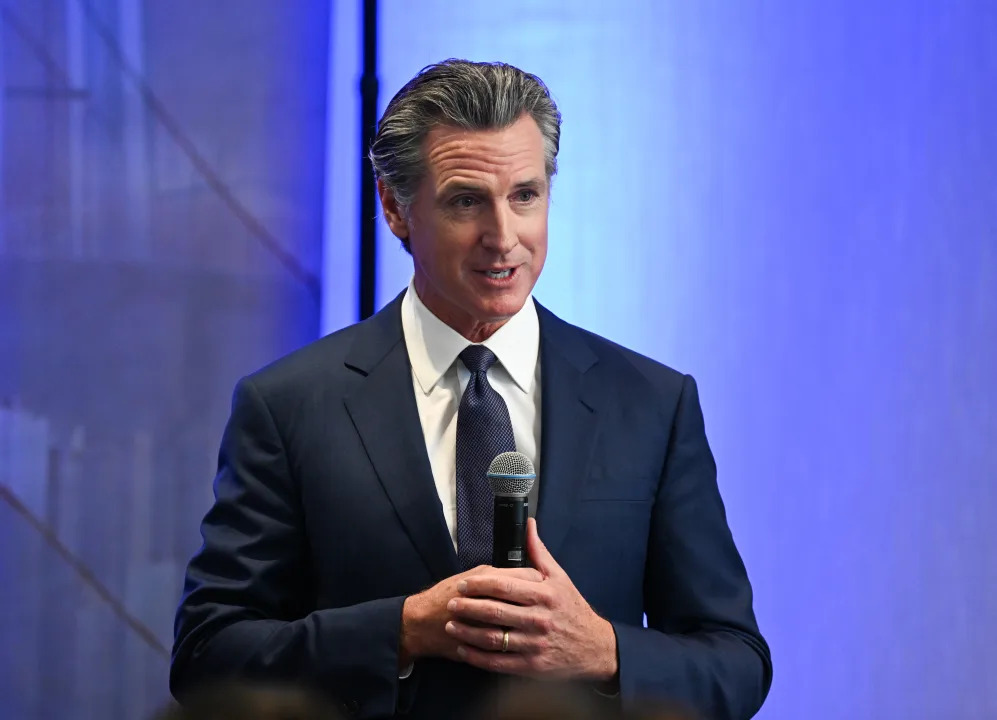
(477, 358)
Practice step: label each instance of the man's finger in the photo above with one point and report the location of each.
(526, 573)
(508, 663)
(509, 588)
(491, 639)
(539, 555)
(494, 613)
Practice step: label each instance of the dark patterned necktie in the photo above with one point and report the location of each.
(483, 431)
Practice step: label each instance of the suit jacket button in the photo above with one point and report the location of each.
(352, 707)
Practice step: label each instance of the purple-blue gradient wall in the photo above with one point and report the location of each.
(161, 204)
(796, 202)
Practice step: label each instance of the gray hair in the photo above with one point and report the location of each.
(458, 93)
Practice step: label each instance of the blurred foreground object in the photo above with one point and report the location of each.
(241, 701)
(527, 700)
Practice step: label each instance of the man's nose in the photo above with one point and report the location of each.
(500, 234)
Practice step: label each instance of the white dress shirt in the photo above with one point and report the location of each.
(439, 379)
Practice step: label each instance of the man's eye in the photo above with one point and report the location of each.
(464, 202)
(526, 196)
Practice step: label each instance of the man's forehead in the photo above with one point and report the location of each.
(517, 148)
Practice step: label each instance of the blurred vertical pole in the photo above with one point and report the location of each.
(76, 151)
(368, 190)
(341, 232)
(134, 129)
(3, 91)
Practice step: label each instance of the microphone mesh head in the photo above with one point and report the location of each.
(511, 473)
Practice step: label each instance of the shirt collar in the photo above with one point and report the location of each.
(433, 345)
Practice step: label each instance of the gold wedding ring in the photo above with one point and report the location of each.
(505, 641)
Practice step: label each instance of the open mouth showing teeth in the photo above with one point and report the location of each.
(498, 274)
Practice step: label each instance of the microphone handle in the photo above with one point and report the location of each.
(509, 538)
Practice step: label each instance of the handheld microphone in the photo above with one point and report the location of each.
(511, 476)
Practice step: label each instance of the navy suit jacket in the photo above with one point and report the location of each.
(326, 517)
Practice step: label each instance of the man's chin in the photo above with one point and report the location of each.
(501, 310)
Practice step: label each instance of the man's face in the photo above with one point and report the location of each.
(477, 228)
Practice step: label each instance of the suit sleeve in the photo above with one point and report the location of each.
(702, 647)
(246, 600)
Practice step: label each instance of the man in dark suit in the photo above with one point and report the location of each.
(350, 535)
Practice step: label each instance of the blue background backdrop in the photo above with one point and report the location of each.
(794, 202)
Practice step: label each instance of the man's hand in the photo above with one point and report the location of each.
(553, 632)
(425, 616)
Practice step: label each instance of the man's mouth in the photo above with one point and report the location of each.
(499, 274)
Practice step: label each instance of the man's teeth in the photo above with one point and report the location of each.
(499, 274)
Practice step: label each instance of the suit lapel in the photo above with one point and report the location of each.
(569, 424)
(385, 415)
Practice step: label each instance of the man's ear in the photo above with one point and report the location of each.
(392, 211)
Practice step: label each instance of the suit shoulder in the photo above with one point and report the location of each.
(621, 359)
(296, 371)
(657, 372)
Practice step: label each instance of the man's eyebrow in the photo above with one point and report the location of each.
(531, 184)
(460, 186)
